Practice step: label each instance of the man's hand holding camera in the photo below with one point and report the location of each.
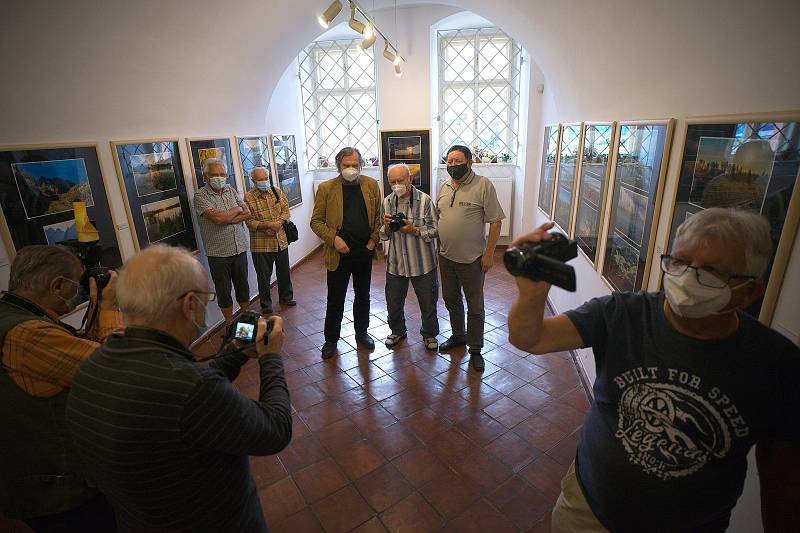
(107, 296)
(528, 287)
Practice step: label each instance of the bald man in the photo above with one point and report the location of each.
(166, 439)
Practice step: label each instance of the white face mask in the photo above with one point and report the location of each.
(349, 173)
(689, 299)
(262, 185)
(399, 189)
(217, 183)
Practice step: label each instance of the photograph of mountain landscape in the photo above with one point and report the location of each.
(60, 231)
(50, 187)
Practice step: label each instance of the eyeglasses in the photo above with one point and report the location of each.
(211, 295)
(706, 276)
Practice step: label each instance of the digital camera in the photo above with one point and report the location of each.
(397, 221)
(544, 261)
(245, 328)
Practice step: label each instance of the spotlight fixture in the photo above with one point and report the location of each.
(354, 23)
(327, 17)
(391, 56)
(369, 38)
(397, 59)
(398, 71)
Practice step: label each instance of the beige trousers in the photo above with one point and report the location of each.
(571, 513)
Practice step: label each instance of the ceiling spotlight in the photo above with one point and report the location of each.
(387, 54)
(327, 17)
(397, 59)
(398, 71)
(367, 42)
(357, 25)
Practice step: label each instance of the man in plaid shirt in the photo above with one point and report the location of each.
(270, 209)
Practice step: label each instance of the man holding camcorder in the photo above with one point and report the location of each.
(686, 384)
(409, 224)
(168, 440)
(40, 478)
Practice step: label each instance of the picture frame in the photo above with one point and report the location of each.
(749, 162)
(595, 166)
(253, 151)
(163, 215)
(200, 148)
(411, 147)
(37, 186)
(569, 149)
(549, 168)
(287, 171)
(636, 188)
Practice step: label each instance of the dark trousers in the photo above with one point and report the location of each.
(227, 270)
(361, 269)
(469, 278)
(426, 287)
(262, 261)
(94, 516)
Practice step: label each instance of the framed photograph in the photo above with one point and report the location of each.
(253, 152)
(284, 153)
(642, 152)
(547, 176)
(202, 149)
(155, 166)
(37, 187)
(746, 162)
(595, 164)
(411, 147)
(568, 159)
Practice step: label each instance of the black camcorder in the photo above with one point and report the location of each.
(544, 261)
(245, 328)
(397, 221)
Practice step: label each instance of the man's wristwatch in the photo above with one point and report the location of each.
(416, 231)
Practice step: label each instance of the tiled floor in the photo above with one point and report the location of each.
(410, 440)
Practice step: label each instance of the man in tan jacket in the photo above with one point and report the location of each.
(347, 217)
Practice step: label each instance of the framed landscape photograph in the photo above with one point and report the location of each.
(38, 185)
(746, 162)
(411, 147)
(155, 192)
(547, 176)
(284, 153)
(568, 158)
(642, 152)
(595, 164)
(253, 152)
(202, 149)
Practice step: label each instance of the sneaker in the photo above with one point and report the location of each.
(431, 343)
(452, 342)
(328, 349)
(393, 339)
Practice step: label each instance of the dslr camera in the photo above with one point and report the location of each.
(89, 254)
(544, 261)
(397, 221)
(245, 328)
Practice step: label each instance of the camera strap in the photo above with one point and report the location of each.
(410, 203)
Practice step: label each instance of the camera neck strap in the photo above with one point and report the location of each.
(410, 203)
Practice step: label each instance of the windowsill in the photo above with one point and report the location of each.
(486, 165)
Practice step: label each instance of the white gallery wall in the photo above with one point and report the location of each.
(101, 70)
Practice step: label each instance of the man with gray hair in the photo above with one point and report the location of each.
(222, 216)
(168, 440)
(40, 478)
(687, 383)
(411, 257)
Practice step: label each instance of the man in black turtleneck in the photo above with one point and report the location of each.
(347, 217)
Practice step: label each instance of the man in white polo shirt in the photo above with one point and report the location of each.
(466, 203)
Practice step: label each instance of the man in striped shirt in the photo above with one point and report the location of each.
(166, 439)
(411, 257)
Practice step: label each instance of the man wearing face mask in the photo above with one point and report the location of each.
(466, 203)
(686, 385)
(41, 480)
(169, 440)
(347, 218)
(222, 216)
(268, 244)
(411, 257)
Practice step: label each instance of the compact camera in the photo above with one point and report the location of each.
(397, 221)
(544, 261)
(245, 328)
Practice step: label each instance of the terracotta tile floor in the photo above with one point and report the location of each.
(410, 440)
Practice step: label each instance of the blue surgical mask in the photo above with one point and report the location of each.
(217, 183)
(201, 328)
(75, 300)
(262, 185)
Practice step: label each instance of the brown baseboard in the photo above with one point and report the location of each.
(587, 387)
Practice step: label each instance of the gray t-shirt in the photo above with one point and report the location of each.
(664, 446)
(463, 215)
(220, 240)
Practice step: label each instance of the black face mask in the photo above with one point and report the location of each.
(457, 171)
